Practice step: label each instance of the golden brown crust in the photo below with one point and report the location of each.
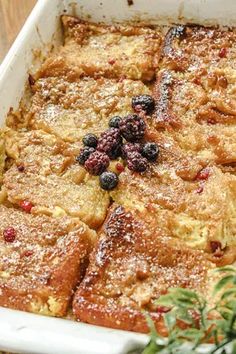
(132, 266)
(169, 226)
(191, 49)
(40, 268)
(100, 50)
(202, 122)
(197, 211)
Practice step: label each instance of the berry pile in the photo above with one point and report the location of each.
(124, 138)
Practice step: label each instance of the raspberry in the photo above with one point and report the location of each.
(90, 140)
(9, 234)
(136, 162)
(108, 180)
(26, 206)
(114, 122)
(143, 103)
(110, 142)
(150, 151)
(132, 127)
(97, 163)
(84, 154)
(223, 52)
(128, 148)
(203, 174)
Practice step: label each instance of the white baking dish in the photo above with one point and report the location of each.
(29, 333)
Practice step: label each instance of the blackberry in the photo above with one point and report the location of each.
(143, 103)
(90, 140)
(132, 127)
(110, 142)
(84, 154)
(97, 163)
(129, 148)
(136, 162)
(114, 122)
(150, 151)
(108, 180)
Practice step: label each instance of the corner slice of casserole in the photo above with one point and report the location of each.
(71, 109)
(99, 50)
(41, 260)
(202, 121)
(192, 50)
(130, 267)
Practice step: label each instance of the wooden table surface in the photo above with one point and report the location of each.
(13, 14)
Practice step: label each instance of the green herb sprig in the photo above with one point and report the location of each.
(203, 323)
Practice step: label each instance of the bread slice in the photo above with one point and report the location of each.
(40, 267)
(131, 266)
(200, 212)
(110, 51)
(70, 110)
(201, 121)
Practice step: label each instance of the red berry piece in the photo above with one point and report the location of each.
(97, 163)
(120, 167)
(162, 309)
(203, 174)
(26, 206)
(9, 234)
(199, 190)
(223, 52)
(21, 168)
(111, 61)
(215, 246)
(28, 253)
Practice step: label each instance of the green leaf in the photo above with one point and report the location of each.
(223, 282)
(225, 269)
(151, 348)
(165, 300)
(184, 292)
(170, 321)
(228, 293)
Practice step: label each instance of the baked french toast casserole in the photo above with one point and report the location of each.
(118, 173)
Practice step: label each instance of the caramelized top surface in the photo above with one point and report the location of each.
(110, 51)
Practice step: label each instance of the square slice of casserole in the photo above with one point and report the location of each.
(130, 267)
(71, 109)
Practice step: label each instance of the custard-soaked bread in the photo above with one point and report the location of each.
(193, 49)
(41, 260)
(58, 195)
(100, 50)
(130, 267)
(70, 110)
(201, 121)
(40, 152)
(201, 213)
